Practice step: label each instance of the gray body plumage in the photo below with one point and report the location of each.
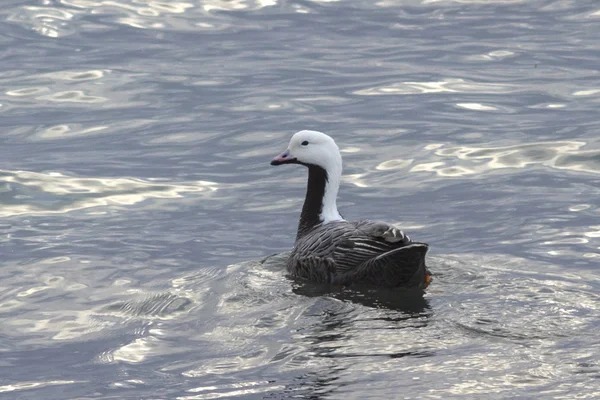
(369, 252)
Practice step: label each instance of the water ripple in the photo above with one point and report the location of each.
(50, 193)
(31, 385)
(47, 21)
(447, 86)
(560, 155)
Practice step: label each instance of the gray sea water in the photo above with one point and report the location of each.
(137, 200)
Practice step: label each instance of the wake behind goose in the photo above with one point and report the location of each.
(332, 250)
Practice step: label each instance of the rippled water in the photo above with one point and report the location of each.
(138, 207)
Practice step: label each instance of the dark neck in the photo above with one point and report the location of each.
(313, 203)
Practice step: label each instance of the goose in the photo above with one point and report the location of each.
(329, 249)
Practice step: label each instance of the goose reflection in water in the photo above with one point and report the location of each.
(335, 342)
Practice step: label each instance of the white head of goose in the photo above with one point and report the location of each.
(331, 249)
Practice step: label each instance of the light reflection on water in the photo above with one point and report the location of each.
(562, 155)
(136, 197)
(30, 193)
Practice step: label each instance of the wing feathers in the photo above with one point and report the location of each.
(366, 251)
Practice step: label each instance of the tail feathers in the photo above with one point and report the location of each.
(404, 267)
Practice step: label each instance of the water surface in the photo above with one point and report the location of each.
(137, 200)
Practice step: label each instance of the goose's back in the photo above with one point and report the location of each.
(336, 251)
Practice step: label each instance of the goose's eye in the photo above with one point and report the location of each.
(305, 143)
